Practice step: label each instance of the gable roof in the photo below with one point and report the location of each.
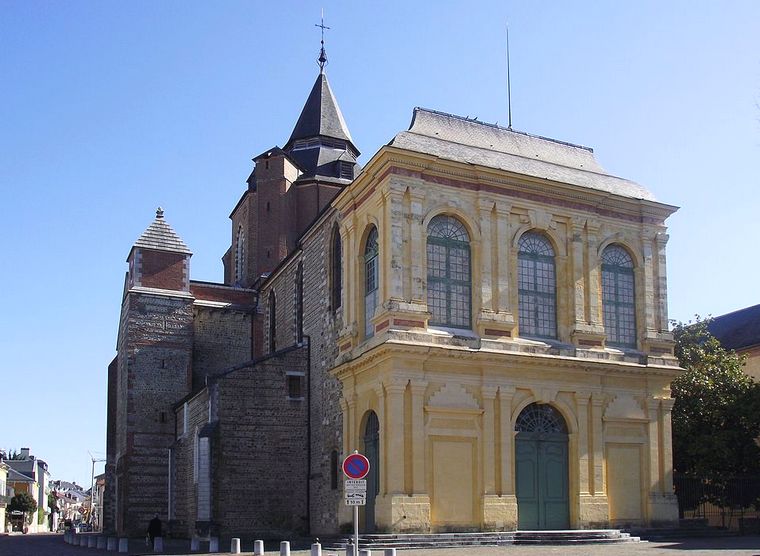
(461, 139)
(161, 237)
(739, 329)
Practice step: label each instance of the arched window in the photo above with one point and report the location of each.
(336, 270)
(448, 273)
(272, 322)
(536, 286)
(618, 297)
(371, 279)
(299, 302)
(239, 256)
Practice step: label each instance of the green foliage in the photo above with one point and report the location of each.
(40, 516)
(52, 502)
(23, 502)
(716, 416)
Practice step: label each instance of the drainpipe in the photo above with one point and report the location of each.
(308, 431)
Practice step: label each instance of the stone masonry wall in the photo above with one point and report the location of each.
(259, 451)
(222, 340)
(320, 325)
(157, 359)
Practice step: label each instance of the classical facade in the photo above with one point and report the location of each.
(481, 311)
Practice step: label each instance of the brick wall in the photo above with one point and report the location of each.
(160, 269)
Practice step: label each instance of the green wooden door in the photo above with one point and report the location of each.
(541, 470)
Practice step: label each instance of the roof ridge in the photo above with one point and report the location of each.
(501, 128)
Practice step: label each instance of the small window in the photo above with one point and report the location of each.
(295, 389)
(345, 170)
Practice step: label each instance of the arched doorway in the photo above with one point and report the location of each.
(541, 469)
(372, 451)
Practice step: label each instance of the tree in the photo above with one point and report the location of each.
(25, 503)
(716, 415)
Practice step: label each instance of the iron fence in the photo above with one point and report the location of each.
(732, 503)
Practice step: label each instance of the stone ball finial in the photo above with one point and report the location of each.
(159, 212)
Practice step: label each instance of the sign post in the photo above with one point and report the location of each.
(356, 467)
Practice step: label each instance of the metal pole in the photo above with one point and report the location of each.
(92, 489)
(356, 530)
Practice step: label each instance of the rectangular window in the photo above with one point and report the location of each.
(295, 385)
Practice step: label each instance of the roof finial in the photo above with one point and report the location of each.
(159, 213)
(322, 60)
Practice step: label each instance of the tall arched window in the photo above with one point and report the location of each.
(448, 273)
(371, 279)
(299, 302)
(239, 256)
(272, 322)
(336, 270)
(618, 297)
(536, 286)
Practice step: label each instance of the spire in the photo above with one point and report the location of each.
(322, 60)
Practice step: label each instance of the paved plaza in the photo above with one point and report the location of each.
(53, 545)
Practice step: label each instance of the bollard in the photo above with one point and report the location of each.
(195, 544)
(66, 537)
(235, 546)
(390, 552)
(111, 545)
(123, 545)
(285, 548)
(158, 544)
(213, 544)
(365, 552)
(316, 549)
(92, 541)
(101, 545)
(258, 548)
(350, 550)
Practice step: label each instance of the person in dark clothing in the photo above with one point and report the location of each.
(154, 530)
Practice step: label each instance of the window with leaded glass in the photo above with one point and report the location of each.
(536, 286)
(336, 271)
(371, 278)
(272, 322)
(448, 273)
(618, 297)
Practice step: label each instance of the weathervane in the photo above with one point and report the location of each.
(322, 60)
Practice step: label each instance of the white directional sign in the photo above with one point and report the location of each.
(356, 492)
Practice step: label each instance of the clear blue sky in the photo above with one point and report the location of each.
(110, 109)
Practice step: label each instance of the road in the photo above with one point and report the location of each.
(53, 545)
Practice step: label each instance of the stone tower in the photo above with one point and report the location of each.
(150, 373)
(289, 187)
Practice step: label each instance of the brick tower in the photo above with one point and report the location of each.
(150, 373)
(290, 186)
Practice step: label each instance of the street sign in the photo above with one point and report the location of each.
(356, 497)
(356, 484)
(355, 466)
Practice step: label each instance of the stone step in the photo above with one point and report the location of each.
(453, 540)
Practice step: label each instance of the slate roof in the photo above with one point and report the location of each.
(461, 139)
(321, 115)
(737, 330)
(161, 237)
(16, 477)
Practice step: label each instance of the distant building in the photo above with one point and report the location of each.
(36, 471)
(481, 311)
(4, 493)
(740, 331)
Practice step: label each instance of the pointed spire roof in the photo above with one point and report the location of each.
(161, 237)
(321, 116)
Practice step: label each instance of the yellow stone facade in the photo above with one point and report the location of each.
(447, 400)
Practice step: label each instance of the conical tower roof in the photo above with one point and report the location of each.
(161, 237)
(321, 116)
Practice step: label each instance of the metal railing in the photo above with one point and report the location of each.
(733, 503)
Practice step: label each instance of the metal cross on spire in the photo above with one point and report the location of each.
(322, 60)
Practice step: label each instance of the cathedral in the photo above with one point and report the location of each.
(482, 312)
